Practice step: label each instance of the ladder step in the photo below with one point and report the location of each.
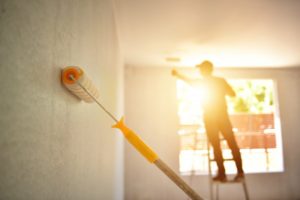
(225, 159)
(230, 181)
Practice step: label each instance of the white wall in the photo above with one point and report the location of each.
(53, 146)
(150, 103)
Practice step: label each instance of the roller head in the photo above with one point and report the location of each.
(73, 76)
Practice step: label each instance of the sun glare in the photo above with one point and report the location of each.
(255, 121)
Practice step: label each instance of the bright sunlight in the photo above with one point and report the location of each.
(255, 121)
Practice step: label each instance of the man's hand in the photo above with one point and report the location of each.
(184, 78)
(174, 72)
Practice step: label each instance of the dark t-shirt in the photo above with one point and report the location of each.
(214, 90)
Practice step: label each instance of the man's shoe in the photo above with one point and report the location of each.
(239, 177)
(220, 177)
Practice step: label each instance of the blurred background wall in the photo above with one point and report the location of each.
(151, 109)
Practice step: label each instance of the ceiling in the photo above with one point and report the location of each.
(231, 33)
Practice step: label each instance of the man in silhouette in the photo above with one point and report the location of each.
(216, 118)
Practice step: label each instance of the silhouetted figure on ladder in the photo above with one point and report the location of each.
(216, 118)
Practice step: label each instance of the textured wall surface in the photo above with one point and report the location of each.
(53, 146)
(150, 104)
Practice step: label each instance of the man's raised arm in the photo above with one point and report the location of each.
(184, 78)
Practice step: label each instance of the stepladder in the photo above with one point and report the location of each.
(216, 186)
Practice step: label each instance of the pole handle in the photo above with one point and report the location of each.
(136, 141)
(177, 180)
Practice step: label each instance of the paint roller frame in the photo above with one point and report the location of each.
(71, 75)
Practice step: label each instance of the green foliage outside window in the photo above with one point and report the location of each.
(252, 96)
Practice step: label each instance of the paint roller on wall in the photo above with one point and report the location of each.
(80, 85)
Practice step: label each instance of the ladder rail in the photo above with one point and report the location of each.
(217, 183)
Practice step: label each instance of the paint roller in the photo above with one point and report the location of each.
(75, 80)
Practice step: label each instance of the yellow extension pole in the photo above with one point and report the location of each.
(152, 157)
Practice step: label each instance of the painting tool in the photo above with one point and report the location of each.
(76, 80)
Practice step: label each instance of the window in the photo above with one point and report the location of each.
(255, 123)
